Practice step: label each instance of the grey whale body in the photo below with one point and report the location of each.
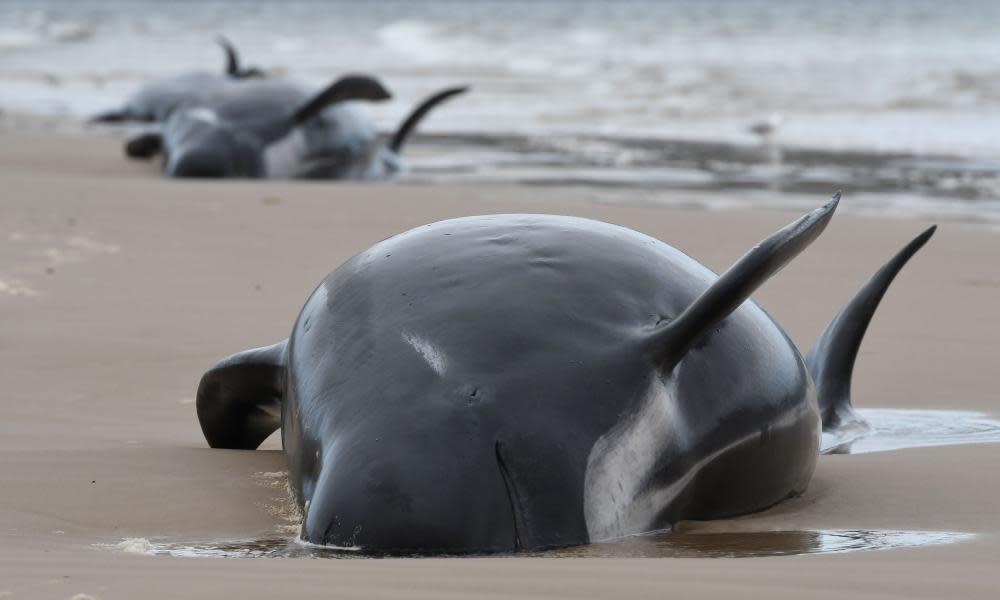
(506, 382)
(156, 100)
(274, 129)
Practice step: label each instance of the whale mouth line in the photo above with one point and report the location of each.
(512, 496)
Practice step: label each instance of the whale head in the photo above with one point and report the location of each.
(199, 143)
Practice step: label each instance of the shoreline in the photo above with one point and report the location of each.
(671, 173)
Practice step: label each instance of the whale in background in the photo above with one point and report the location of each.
(154, 101)
(274, 129)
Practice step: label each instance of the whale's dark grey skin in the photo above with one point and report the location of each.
(507, 382)
(229, 133)
(156, 100)
(347, 145)
(249, 133)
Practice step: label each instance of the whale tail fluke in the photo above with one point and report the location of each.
(672, 339)
(831, 359)
(411, 122)
(239, 399)
(350, 87)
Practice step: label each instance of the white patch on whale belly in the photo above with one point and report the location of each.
(428, 352)
(614, 504)
(204, 114)
(617, 500)
(281, 158)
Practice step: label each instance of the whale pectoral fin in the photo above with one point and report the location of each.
(111, 116)
(239, 399)
(410, 123)
(350, 87)
(672, 340)
(831, 359)
(144, 144)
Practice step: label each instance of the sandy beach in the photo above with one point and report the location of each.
(118, 288)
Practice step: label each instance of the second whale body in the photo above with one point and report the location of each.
(274, 129)
(156, 100)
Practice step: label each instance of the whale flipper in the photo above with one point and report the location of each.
(111, 116)
(239, 399)
(350, 87)
(672, 339)
(144, 144)
(831, 359)
(410, 123)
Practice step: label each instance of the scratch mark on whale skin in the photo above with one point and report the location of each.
(435, 359)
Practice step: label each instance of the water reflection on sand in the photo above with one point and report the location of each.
(890, 429)
(659, 545)
(896, 429)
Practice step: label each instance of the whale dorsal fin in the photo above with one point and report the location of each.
(239, 399)
(232, 58)
(408, 125)
(350, 87)
(831, 359)
(673, 339)
(233, 68)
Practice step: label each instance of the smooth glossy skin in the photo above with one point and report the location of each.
(507, 382)
(483, 384)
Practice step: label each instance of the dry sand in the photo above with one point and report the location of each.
(119, 288)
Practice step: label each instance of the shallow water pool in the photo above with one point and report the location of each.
(896, 429)
(657, 545)
(889, 429)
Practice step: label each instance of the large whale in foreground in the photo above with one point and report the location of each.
(507, 382)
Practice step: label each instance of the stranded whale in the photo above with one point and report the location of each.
(507, 382)
(230, 134)
(250, 132)
(347, 145)
(155, 101)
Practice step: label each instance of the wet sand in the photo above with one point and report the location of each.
(119, 288)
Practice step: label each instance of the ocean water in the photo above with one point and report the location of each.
(896, 101)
